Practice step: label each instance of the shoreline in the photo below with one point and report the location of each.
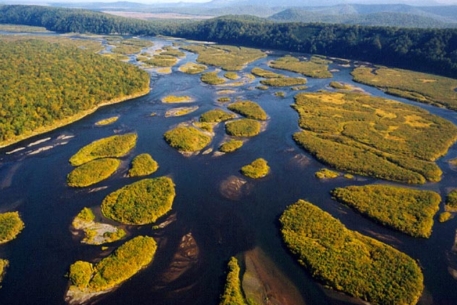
(74, 118)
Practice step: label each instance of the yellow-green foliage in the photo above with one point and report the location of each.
(143, 165)
(21, 29)
(187, 138)
(231, 146)
(211, 78)
(453, 162)
(111, 271)
(128, 46)
(231, 75)
(216, 116)
(280, 94)
(421, 87)
(162, 61)
(3, 265)
(407, 210)
(325, 173)
(92, 172)
(445, 216)
(249, 109)
(283, 81)
(172, 52)
(373, 136)
(141, 202)
(348, 261)
(177, 99)
(229, 58)
(233, 294)
(298, 88)
(10, 226)
(262, 87)
(86, 215)
(209, 127)
(315, 67)
(451, 201)
(256, 169)
(107, 121)
(265, 73)
(243, 128)
(110, 147)
(192, 68)
(180, 111)
(340, 86)
(224, 99)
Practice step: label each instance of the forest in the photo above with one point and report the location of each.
(424, 50)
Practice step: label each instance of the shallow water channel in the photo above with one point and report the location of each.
(212, 219)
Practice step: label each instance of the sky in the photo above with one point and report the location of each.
(412, 2)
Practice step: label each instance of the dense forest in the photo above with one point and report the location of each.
(425, 50)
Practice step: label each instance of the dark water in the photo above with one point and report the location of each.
(220, 227)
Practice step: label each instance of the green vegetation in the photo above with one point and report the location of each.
(451, 201)
(265, 73)
(161, 61)
(231, 146)
(298, 88)
(127, 46)
(171, 99)
(283, 81)
(47, 85)
(231, 75)
(421, 87)
(3, 265)
(407, 210)
(141, 202)
(229, 58)
(143, 165)
(211, 78)
(172, 52)
(224, 99)
(107, 121)
(21, 29)
(180, 111)
(243, 128)
(86, 214)
(315, 67)
(280, 94)
(373, 136)
(233, 294)
(348, 261)
(10, 226)
(256, 169)
(216, 116)
(340, 86)
(111, 271)
(192, 68)
(249, 109)
(110, 147)
(325, 173)
(187, 138)
(445, 216)
(262, 87)
(92, 172)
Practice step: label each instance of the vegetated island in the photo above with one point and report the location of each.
(407, 210)
(110, 147)
(230, 58)
(451, 201)
(230, 146)
(373, 136)
(421, 87)
(107, 121)
(232, 291)
(265, 73)
(216, 116)
(256, 169)
(348, 261)
(211, 78)
(284, 81)
(92, 172)
(143, 165)
(243, 128)
(170, 99)
(192, 68)
(180, 111)
(141, 202)
(96, 233)
(10, 226)
(59, 84)
(3, 265)
(187, 139)
(316, 67)
(249, 109)
(325, 173)
(89, 280)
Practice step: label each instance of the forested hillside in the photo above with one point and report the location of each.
(425, 50)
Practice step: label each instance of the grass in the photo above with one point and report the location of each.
(231, 75)
(340, 86)
(283, 81)
(172, 99)
(180, 111)
(372, 136)
(231, 146)
(114, 269)
(187, 138)
(111, 147)
(243, 128)
(265, 73)
(224, 99)
(141, 202)
(216, 116)
(107, 121)
(192, 68)
(233, 294)
(143, 165)
(92, 172)
(348, 261)
(10, 226)
(229, 58)
(249, 109)
(325, 173)
(256, 169)
(315, 67)
(421, 87)
(211, 78)
(161, 61)
(407, 210)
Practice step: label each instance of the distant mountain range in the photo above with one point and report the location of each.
(399, 15)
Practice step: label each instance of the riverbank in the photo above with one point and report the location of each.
(73, 118)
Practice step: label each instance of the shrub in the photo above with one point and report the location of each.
(107, 121)
(187, 138)
(256, 169)
(231, 146)
(233, 294)
(10, 226)
(445, 216)
(326, 173)
(243, 128)
(249, 109)
(92, 172)
(216, 116)
(143, 165)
